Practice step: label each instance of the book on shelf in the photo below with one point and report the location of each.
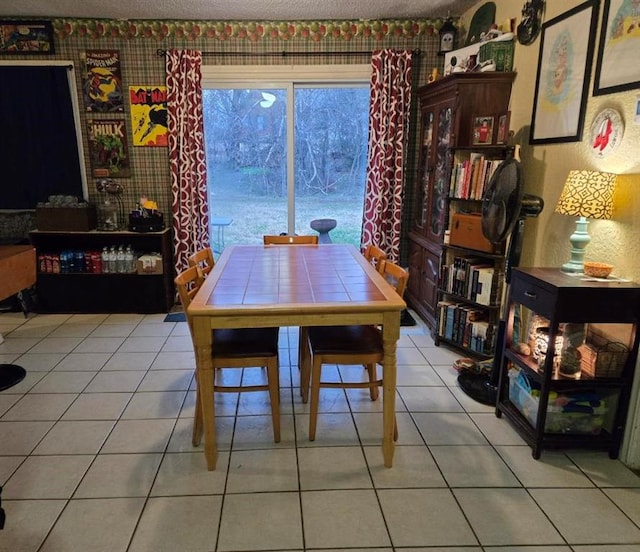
(484, 286)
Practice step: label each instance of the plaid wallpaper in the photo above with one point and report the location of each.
(139, 41)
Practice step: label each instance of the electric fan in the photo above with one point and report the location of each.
(504, 209)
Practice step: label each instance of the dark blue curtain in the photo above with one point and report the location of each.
(38, 145)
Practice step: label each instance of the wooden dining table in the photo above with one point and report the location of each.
(293, 285)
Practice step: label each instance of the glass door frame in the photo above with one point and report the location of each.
(285, 77)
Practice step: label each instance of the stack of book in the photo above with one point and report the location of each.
(466, 326)
(470, 177)
(474, 279)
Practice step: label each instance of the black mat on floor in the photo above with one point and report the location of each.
(10, 375)
(405, 318)
(175, 317)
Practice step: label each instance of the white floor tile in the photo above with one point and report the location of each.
(506, 517)
(264, 470)
(175, 523)
(41, 477)
(425, 517)
(262, 521)
(119, 475)
(98, 406)
(140, 436)
(473, 466)
(343, 519)
(99, 525)
(28, 522)
(75, 437)
(586, 516)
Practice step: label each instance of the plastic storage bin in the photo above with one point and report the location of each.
(580, 413)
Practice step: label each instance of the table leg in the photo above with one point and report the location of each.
(390, 336)
(204, 366)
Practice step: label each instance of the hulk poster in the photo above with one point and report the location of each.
(108, 148)
(148, 115)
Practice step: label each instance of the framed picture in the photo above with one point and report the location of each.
(617, 66)
(502, 133)
(26, 37)
(482, 130)
(562, 81)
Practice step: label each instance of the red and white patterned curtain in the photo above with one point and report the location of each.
(187, 154)
(389, 111)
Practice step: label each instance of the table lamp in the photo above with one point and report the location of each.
(586, 194)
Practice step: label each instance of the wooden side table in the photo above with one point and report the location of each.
(17, 273)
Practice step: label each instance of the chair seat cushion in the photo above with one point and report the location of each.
(335, 340)
(245, 342)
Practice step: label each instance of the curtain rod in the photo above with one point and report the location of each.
(283, 54)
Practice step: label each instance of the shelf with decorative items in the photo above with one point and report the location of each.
(568, 359)
(104, 271)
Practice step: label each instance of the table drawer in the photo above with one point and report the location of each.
(533, 296)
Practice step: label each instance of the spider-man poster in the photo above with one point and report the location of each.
(148, 115)
(102, 83)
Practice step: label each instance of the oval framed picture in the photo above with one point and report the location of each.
(606, 132)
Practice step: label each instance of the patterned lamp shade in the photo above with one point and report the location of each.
(587, 194)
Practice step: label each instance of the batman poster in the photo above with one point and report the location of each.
(148, 115)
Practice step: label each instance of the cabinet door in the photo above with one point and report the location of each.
(425, 170)
(441, 174)
(423, 282)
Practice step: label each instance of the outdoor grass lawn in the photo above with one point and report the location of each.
(255, 216)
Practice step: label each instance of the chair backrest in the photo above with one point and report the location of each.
(395, 275)
(290, 240)
(203, 259)
(188, 283)
(375, 256)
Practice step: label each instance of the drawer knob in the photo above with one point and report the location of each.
(531, 294)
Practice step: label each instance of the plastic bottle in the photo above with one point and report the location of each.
(113, 259)
(120, 260)
(105, 260)
(129, 260)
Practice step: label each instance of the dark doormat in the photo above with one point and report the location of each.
(175, 317)
(405, 318)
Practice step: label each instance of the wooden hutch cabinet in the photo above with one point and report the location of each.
(448, 108)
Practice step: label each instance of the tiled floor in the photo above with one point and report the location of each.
(95, 454)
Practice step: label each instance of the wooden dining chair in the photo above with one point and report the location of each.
(375, 256)
(290, 240)
(346, 345)
(235, 348)
(203, 258)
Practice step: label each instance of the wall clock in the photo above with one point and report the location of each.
(606, 132)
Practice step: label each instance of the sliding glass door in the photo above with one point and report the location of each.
(282, 154)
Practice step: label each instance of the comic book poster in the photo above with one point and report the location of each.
(108, 149)
(26, 37)
(148, 115)
(102, 83)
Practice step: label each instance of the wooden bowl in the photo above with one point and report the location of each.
(597, 270)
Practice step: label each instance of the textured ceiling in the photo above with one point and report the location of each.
(253, 10)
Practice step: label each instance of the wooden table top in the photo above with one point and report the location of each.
(288, 278)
